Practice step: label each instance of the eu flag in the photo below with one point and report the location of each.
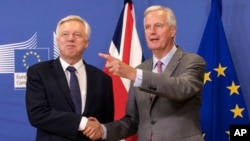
(27, 57)
(223, 101)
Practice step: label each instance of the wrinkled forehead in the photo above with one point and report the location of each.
(156, 16)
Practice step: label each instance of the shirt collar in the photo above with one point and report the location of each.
(165, 60)
(76, 65)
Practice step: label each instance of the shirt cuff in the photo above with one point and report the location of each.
(83, 123)
(104, 132)
(138, 78)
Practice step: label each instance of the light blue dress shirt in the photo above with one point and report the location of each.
(165, 60)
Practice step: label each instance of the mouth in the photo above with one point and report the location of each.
(153, 39)
(70, 46)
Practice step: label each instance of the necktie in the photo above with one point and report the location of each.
(75, 90)
(159, 67)
(159, 70)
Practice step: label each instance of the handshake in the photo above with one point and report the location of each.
(93, 129)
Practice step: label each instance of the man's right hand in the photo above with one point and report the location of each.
(93, 129)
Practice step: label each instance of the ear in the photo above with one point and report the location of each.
(173, 31)
(87, 43)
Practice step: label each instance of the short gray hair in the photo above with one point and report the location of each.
(75, 18)
(171, 20)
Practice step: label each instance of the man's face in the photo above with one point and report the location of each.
(157, 32)
(71, 40)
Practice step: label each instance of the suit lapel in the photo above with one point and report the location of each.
(173, 63)
(148, 66)
(62, 81)
(90, 74)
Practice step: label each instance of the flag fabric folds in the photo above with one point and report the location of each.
(223, 101)
(125, 45)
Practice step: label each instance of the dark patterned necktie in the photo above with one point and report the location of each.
(75, 90)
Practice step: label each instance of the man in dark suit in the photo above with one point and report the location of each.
(165, 98)
(50, 105)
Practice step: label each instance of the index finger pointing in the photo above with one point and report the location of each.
(102, 55)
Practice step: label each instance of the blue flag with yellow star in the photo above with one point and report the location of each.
(222, 99)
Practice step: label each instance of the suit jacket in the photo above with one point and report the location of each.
(50, 107)
(174, 113)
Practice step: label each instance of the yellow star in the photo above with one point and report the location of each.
(220, 70)
(207, 77)
(233, 88)
(203, 135)
(237, 111)
(228, 132)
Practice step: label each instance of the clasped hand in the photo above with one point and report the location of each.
(93, 129)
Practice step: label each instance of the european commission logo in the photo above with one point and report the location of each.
(25, 58)
(16, 58)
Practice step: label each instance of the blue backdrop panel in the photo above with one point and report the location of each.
(27, 36)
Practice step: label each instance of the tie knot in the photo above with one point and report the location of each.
(71, 68)
(159, 66)
(159, 63)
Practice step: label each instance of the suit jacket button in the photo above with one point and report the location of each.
(152, 122)
(152, 88)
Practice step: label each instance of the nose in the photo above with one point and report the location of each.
(152, 30)
(71, 37)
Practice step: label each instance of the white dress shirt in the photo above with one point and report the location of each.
(81, 75)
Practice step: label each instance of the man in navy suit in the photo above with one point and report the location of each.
(50, 106)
